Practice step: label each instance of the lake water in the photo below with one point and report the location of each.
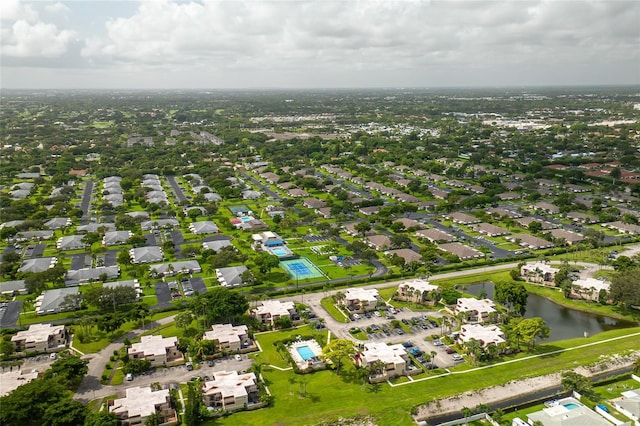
(565, 323)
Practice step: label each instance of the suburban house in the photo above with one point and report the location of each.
(113, 238)
(157, 349)
(169, 269)
(360, 300)
(538, 272)
(418, 291)
(394, 358)
(629, 404)
(38, 264)
(500, 212)
(12, 288)
(231, 391)
(435, 235)
(148, 254)
(272, 310)
(462, 251)
(58, 223)
(623, 228)
(231, 276)
(409, 223)
(204, 227)
(85, 275)
(490, 230)
(150, 225)
(379, 242)
(589, 288)
(216, 245)
(485, 335)
(407, 254)
(546, 207)
(529, 241)
(134, 284)
(229, 337)
(264, 240)
(70, 242)
(140, 403)
(567, 411)
(568, 236)
(50, 301)
(582, 217)
(463, 218)
(475, 310)
(526, 221)
(41, 338)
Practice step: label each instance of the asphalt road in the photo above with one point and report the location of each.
(176, 188)
(86, 202)
(9, 318)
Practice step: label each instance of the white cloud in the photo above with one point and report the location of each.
(35, 40)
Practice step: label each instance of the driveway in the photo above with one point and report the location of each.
(9, 315)
(163, 294)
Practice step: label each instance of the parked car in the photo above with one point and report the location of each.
(189, 366)
(450, 351)
(457, 357)
(128, 377)
(238, 357)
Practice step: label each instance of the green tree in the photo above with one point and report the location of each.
(184, 319)
(69, 369)
(66, 412)
(362, 227)
(193, 405)
(530, 329)
(572, 381)
(513, 295)
(26, 405)
(266, 262)
(101, 418)
(625, 287)
(336, 351)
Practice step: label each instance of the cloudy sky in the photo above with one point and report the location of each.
(317, 43)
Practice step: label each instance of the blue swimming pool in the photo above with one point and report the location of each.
(280, 252)
(570, 406)
(305, 352)
(245, 218)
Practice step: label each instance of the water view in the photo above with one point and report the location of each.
(565, 323)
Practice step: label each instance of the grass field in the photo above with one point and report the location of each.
(329, 396)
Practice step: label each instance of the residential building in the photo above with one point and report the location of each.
(217, 245)
(85, 275)
(157, 349)
(229, 337)
(475, 310)
(12, 288)
(407, 254)
(379, 242)
(113, 238)
(462, 251)
(41, 338)
(231, 391)
(546, 207)
(490, 230)
(623, 228)
(417, 291)
(394, 358)
(567, 411)
(538, 272)
(529, 241)
(264, 240)
(435, 235)
(589, 288)
(359, 300)
(38, 264)
(51, 301)
(463, 218)
(582, 217)
(231, 276)
(485, 335)
(204, 227)
(148, 254)
(568, 236)
(272, 310)
(139, 403)
(70, 242)
(629, 404)
(134, 284)
(169, 269)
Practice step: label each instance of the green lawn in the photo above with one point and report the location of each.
(330, 396)
(329, 305)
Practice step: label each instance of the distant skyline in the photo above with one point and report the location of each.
(162, 44)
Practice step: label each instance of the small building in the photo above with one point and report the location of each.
(485, 335)
(417, 291)
(169, 269)
(265, 240)
(85, 275)
(490, 230)
(41, 338)
(39, 264)
(589, 288)
(567, 411)
(379, 242)
(217, 245)
(113, 238)
(272, 310)
(139, 403)
(568, 236)
(148, 254)
(582, 217)
(229, 337)
(529, 241)
(546, 207)
(134, 284)
(394, 358)
(538, 272)
(629, 404)
(463, 218)
(204, 227)
(70, 242)
(12, 288)
(150, 225)
(360, 300)
(462, 251)
(51, 301)
(231, 276)
(435, 235)
(407, 254)
(231, 391)
(57, 223)
(475, 310)
(156, 349)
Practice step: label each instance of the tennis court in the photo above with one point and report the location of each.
(301, 268)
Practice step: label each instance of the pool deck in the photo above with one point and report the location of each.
(311, 363)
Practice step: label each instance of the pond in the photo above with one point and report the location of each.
(565, 323)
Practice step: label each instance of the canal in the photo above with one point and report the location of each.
(565, 323)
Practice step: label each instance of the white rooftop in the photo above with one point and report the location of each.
(153, 345)
(275, 307)
(487, 335)
(38, 333)
(593, 283)
(543, 267)
(10, 380)
(383, 352)
(139, 402)
(469, 304)
(229, 383)
(421, 285)
(359, 293)
(226, 333)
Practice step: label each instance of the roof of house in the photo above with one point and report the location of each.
(379, 241)
(229, 384)
(226, 332)
(38, 333)
(434, 234)
(204, 227)
(87, 274)
(389, 354)
(39, 264)
(146, 254)
(486, 335)
(230, 276)
(139, 402)
(362, 294)
(192, 266)
(274, 307)
(51, 299)
(460, 250)
(216, 244)
(407, 254)
(423, 286)
(470, 304)
(153, 345)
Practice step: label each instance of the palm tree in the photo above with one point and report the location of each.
(474, 349)
(433, 356)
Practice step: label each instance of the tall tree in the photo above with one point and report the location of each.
(530, 329)
(625, 287)
(512, 294)
(337, 351)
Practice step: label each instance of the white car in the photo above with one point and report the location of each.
(129, 377)
(238, 357)
(457, 357)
